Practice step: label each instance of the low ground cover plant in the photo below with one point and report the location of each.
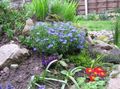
(11, 20)
(57, 37)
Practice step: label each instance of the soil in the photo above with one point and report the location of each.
(20, 76)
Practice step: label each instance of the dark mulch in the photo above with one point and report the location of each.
(20, 77)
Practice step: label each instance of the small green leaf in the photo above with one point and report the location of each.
(63, 63)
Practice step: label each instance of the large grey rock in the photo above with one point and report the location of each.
(12, 53)
(114, 82)
(111, 52)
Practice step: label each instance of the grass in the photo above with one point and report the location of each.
(97, 25)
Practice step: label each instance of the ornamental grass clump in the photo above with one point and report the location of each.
(57, 37)
(40, 8)
(65, 9)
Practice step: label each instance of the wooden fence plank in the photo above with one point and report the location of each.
(98, 6)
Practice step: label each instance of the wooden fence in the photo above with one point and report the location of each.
(97, 6)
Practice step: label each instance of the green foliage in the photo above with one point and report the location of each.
(96, 25)
(40, 8)
(65, 9)
(11, 20)
(117, 31)
(98, 84)
(82, 59)
(67, 76)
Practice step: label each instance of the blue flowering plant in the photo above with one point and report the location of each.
(56, 37)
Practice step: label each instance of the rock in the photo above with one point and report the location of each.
(14, 66)
(114, 83)
(115, 72)
(111, 52)
(29, 25)
(6, 70)
(12, 53)
(103, 35)
(73, 87)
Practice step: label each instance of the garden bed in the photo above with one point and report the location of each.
(53, 51)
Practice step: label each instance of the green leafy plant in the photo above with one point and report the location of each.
(35, 80)
(98, 84)
(40, 7)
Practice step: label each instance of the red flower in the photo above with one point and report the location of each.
(92, 78)
(98, 69)
(102, 74)
(88, 70)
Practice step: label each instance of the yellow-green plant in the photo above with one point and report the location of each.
(65, 9)
(40, 8)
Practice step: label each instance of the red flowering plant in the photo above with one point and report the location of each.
(95, 71)
(92, 73)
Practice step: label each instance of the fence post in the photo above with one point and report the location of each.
(86, 7)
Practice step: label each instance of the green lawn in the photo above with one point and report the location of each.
(97, 25)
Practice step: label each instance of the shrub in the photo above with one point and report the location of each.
(55, 38)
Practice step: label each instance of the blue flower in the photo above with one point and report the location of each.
(74, 38)
(79, 35)
(71, 40)
(1, 86)
(41, 87)
(80, 46)
(50, 45)
(82, 33)
(34, 49)
(73, 30)
(64, 42)
(61, 40)
(9, 86)
(70, 34)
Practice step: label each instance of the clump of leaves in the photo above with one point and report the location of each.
(97, 84)
(82, 59)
